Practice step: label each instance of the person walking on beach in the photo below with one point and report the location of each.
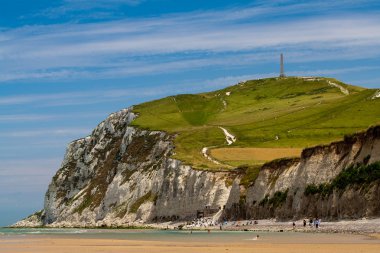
(304, 223)
(294, 225)
(316, 222)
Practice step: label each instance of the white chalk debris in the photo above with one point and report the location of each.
(229, 137)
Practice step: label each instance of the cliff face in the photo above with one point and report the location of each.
(281, 189)
(121, 174)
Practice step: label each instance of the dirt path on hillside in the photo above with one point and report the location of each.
(229, 138)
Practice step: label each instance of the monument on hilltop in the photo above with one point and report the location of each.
(282, 74)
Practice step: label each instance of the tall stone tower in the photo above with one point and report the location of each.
(282, 74)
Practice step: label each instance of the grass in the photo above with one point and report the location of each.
(85, 204)
(149, 196)
(38, 214)
(250, 176)
(270, 113)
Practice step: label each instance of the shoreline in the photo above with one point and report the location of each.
(361, 227)
(232, 239)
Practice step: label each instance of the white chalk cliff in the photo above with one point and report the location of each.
(121, 174)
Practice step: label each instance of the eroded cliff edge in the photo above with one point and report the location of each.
(336, 181)
(121, 174)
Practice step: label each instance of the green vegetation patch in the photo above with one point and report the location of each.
(149, 196)
(85, 204)
(276, 200)
(38, 214)
(197, 110)
(250, 176)
(121, 210)
(359, 174)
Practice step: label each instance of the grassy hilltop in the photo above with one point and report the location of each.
(271, 118)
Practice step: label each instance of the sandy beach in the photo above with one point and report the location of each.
(72, 245)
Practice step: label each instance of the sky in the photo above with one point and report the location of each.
(65, 65)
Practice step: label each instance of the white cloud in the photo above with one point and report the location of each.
(185, 41)
(185, 37)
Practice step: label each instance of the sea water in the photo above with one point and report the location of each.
(186, 235)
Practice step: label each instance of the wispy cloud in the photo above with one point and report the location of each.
(11, 118)
(85, 9)
(46, 132)
(181, 42)
(24, 117)
(111, 95)
(77, 98)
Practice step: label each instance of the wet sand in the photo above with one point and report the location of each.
(61, 244)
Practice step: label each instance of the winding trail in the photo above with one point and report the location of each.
(206, 155)
(224, 104)
(376, 95)
(342, 89)
(229, 138)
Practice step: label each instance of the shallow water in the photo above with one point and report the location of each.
(186, 236)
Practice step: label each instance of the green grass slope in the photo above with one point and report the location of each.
(271, 113)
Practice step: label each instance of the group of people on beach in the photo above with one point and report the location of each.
(209, 222)
(312, 223)
(202, 222)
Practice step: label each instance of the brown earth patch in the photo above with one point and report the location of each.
(249, 154)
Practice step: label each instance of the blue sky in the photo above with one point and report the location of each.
(66, 64)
